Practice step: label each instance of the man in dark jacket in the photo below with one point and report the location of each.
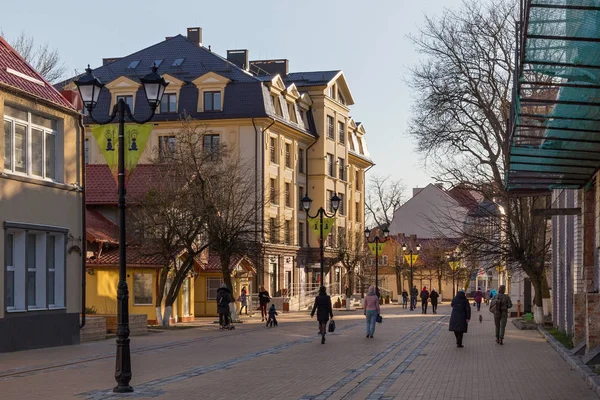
(503, 303)
(224, 297)
(414, 292)
(433, 296)
(424, 300)
(460, 317)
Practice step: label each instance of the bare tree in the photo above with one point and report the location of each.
(463, 89)
(384, 196)
(351, 252)
(44, 59)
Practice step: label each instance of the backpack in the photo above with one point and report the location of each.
(496, 305)
(222, 302)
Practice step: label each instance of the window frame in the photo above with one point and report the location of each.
(134, 288)
(209, 288)
(212, 94)
(342, 208)
(288, 155)
(166, 101)
(330, 165)
(212, 147)
(170, 141)
(273, 150)
(126, 97)
(288, 198)
(301, 160)
(330, 127)
(273, 192)
(341, 168)
(9, 267)
(47, 164)
(341, 132)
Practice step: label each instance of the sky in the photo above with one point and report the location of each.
(367, 40)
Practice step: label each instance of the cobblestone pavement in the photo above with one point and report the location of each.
(412, 356)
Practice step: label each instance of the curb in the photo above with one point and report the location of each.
(586, 373)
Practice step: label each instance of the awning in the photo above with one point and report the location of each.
(556, 108)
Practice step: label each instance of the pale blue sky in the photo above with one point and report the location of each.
(366, 39)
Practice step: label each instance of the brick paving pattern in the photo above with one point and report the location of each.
(412, 356)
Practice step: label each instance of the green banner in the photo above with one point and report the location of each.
(136, 138)
(372, 247)
(327, 226)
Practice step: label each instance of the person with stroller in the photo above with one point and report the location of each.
(223, 299)
(272, 321)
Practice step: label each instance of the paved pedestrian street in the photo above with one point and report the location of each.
(412, 356)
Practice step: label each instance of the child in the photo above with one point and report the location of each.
(272, 321)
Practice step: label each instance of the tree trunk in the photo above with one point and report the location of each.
(171, 296)
(160, 293)
(399, 282)
(538, 305)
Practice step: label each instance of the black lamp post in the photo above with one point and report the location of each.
(411, 252)
(386, 234)
(335, 204)
(453, 261)
(89, 88)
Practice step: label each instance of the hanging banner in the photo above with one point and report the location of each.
(136, 137)
(414, 258)
(454, 265)
(372, 247)
(327, 226)
(481, 273)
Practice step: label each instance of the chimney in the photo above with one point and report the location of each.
(239, 58)
(273, 67)
(195, 35)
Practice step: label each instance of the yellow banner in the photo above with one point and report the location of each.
(315, 226)
(454, 265)
(372, 247)
(136, 137)
(414, 258)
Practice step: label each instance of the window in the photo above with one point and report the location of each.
(35, 270)
(351, 141)
(273, 193)
(212, 285)
(272, 230)
(360, 145)
(288, 157)
(128, 99)
(300, 161)
(357, 180)
(211, 144)
(341, 132)
(341, 236)
(384, 260)
(288, 201)
(273, 149)
(300, 234)
(212, 101)
(329, 196)
(330, 128)
(341, 168)
(168, 104)
(29, 143)
(288, 232)
(300, 197)
(276, 105)
(342, 209)
(87, 151)
(357, 212)
(303, 117)
(142, 289)
(292, 112)
(10, 271)
(330, 165)
(340, 98)
(134, 64)
(156, 63)
(166, 147)
(178, 62)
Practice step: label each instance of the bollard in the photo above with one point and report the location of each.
(518, 308)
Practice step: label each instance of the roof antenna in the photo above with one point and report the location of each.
(209, 48)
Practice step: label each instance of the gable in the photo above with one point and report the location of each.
(211, 78)
(342, 85)
(123, 82)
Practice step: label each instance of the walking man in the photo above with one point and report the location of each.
(414, 292)
(501, 303)
(404, 299)
(478, 297)
(424, 300)
(434, 300)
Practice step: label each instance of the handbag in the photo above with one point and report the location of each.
(331, 327)
(379, 319)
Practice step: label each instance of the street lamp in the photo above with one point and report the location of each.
(90, 88)
(386, 234)
(411, 252)
(335, 204)
(453, 261)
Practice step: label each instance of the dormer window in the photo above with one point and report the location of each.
(168, 104)
(134, 64)
(212, 101)
(276, 105)
(292, 112)
(178, 62)
(128, 99)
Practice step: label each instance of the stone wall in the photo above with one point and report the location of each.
(94, 329)
(138, 324)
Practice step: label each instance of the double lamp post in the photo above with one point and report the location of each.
(90, 88)
(405, 248)
(377, 240)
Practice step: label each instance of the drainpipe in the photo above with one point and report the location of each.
(83, 223)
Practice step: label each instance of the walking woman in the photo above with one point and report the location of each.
(324, 311)
(371, 310)
(460, 317)
(263, 300)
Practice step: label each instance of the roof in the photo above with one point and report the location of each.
(101, 187)
(214, 264)
(99, 228)
(136, 255)
(314, 78)
(17, 73)
(464, 197)
(554, 116)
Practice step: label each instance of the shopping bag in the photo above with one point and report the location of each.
(331, 327)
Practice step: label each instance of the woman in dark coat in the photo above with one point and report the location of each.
(460, 317)
(324, 311)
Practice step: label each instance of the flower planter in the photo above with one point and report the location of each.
(387, 300)
(286, 307)
(380, 301)
(344, 303)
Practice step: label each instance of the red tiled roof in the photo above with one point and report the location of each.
(101, 187)
(214, 263)
(136, 255)
(36, 86)
(463, 196)
(100, 229)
